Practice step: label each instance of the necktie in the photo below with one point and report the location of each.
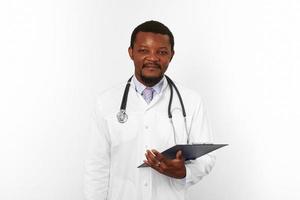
(148, 94)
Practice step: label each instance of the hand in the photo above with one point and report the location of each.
(173, 168)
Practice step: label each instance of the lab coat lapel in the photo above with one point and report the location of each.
(136, 100)
(157, 97)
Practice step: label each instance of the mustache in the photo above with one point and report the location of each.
(156, 65)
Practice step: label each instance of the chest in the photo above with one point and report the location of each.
(148, 129)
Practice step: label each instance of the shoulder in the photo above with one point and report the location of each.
(108, 93)
(110, 98)
(192, 100)
(188, 94)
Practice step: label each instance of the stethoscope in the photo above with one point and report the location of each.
(123, 117)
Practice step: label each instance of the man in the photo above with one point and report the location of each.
(117, 149)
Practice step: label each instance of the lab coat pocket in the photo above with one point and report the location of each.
(122, 133)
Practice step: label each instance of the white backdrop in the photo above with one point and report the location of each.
(242, 56)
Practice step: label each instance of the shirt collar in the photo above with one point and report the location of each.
(139, 87)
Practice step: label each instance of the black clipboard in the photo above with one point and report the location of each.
(189, 151)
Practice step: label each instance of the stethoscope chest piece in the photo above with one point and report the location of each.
(122, 116)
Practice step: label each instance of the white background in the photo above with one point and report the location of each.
(242, 56)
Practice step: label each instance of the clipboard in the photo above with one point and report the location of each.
(189, 151)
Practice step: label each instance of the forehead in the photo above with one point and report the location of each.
(152, 39)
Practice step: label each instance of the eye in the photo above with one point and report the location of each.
(142, 50)
(162, 52)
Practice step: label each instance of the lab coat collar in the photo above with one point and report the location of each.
(156, 98)
(139, 87)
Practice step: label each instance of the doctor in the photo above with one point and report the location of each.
(118, 147)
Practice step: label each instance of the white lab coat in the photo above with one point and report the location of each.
(117, 149)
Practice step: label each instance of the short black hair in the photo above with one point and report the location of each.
(153, 27)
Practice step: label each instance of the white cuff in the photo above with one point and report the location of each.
(180, 184)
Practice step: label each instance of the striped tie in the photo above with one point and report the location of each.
(148, 94)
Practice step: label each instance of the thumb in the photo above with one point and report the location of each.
(179, 155)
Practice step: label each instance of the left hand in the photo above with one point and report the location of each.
(171, 167)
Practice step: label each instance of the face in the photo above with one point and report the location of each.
(151, 55)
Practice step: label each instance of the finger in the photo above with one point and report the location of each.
(147, 163)
(158, 156)
(154, 166)
(179, 155)
(150, 158)
(151, 162)
(151, 151)
(163, 161)
(151, 155)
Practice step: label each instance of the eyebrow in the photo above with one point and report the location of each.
(147, 47)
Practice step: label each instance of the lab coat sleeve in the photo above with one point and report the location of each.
(200, 132)
(97, 166)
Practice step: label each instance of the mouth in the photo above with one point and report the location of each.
(151, 66)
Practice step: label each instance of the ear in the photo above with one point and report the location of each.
(130, 50)
(172, 54)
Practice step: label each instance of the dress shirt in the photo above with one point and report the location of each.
(117, 149)
(139, 87)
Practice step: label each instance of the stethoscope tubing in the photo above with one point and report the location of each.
(125, 95)
(172, 84)
(122, 116)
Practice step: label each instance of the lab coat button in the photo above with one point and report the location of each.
(145, 184)
(146, 127)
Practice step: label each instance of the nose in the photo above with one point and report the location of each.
(152, 57)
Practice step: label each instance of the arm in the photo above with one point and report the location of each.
(96, 179)
(200, 132)
(186, 175)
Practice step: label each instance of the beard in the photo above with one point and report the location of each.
(151, 81)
